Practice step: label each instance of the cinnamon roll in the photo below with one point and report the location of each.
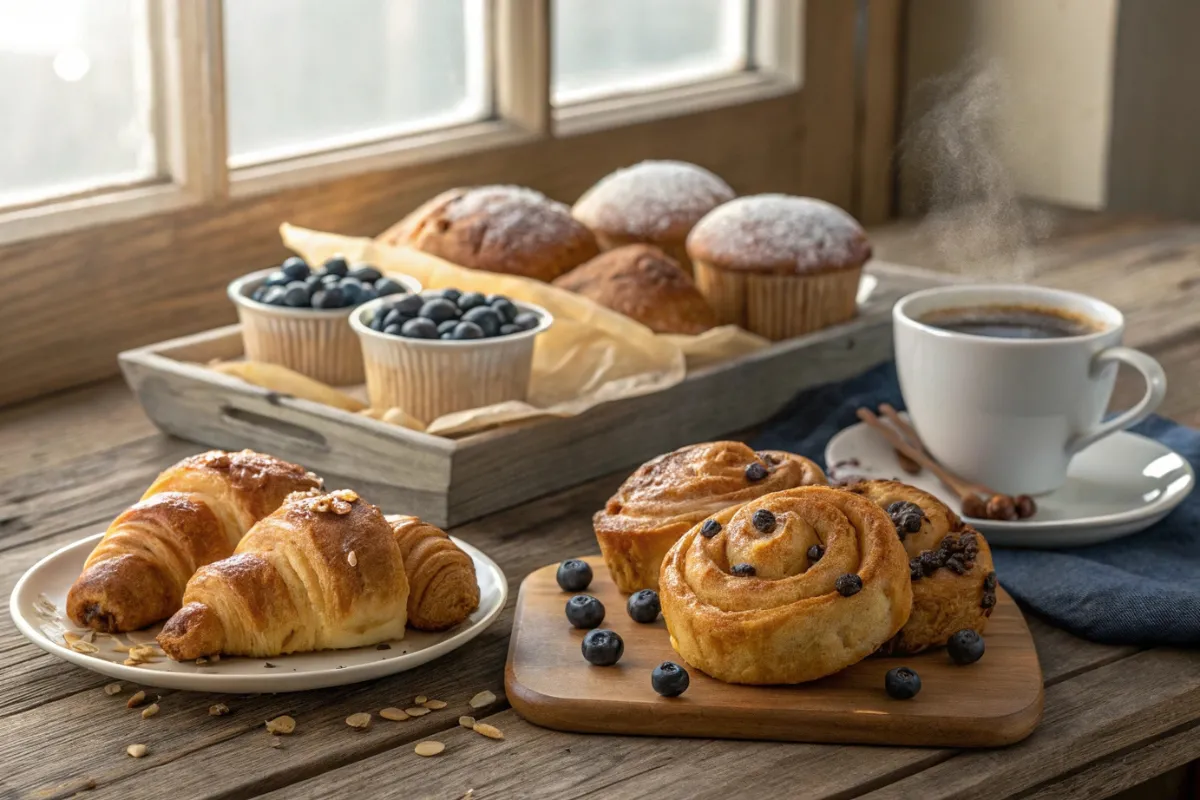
(787, 588)
(950, 563)
(669, 494)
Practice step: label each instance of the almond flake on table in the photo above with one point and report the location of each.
(361, 721)
(136, 700)
(136, 750)
(435, 705)
(149, 711)
(490, 731)
(281, 725)
(484, 698)
(467, 722)
(394, 714)
(218, 710)
(418, 711)
(429, 748)
(420, 699)
(112, 688)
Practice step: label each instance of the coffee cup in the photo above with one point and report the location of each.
(1005, 384)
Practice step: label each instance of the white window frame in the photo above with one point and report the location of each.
(189, 105)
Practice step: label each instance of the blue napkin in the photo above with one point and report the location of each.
(1143, 589)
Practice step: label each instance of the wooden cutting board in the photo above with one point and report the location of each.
(995, 701)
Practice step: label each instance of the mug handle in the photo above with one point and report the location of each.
(1156, 390)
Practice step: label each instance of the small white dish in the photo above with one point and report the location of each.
(1120, 485)
(51, 578)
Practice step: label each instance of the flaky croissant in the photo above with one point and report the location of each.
(195, 513)
(953, 580)
(443, 589)
(323, 572)
(669, 494)
(787, 588)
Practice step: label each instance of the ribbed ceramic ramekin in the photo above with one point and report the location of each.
(318, 343)
(429, 378)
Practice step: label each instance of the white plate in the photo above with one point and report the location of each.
(52, 577)
(1122, 484)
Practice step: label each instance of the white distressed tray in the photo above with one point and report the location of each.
(450, 481)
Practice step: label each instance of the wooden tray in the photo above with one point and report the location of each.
(450, 481)
(995, 701)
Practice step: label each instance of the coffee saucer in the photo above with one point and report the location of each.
(1120, 485)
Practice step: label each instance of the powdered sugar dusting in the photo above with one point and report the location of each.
(517, 216)
(652, 198)
(780, 230)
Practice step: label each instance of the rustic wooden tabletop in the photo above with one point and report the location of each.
(1115, 717)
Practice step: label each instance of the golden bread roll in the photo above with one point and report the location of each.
(669, 494)
(442, 587)
(787, 588)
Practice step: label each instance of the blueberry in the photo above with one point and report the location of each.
(385, 286)
(468, 330)
(258, 293)
(492, 298)
(486, 318)
(965, 647)
(755, 472)
(365, 273)
(603, 647)
(509, 330)
(763, 521)
(275, 295)
(848, 584)
(297, 294)
(669, 679)
(710, 528)
(902, 683)
(394, 316)
(504, 307)
(527, 320)
(367, 294)
(351, 291)
(409, 306)
(277, 278)
(585, 611)
(468, 300)
(295, 268)
(574, 575)
(394, 330)
(329, 297)
(336, 266)
(419, 328)
(313, 282)
(377, 322)
(643, 606)
(439, 310)
(330, 280)
(451, 294)
(815, 552)
(447, 327)
(447, 336)
(743, 570)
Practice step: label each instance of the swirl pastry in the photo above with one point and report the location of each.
(953, 580)
(787, 588)
(668, 495)
(443, 589)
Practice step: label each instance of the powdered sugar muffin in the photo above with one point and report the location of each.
(777, 265)
(654, 202)
(509, 229)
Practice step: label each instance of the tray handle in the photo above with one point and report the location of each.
(285, 433)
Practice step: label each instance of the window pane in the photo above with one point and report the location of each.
(75, 83)
(617, 46)
(308, 75)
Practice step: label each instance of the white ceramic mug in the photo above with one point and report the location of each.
(1011, 413)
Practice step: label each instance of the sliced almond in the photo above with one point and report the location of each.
(281, 725)
(394, 714)
(218, 710)
(352, 558)
(482, 699)
(136, 750)
(201, 661)
(429, 748)
(361, 721)
(149, 711)
(112, 688)
(418, 711)
(490, 731)
(435, 705)
(467, 722)
(420, 699)
(136, 700)
(87, 648)
(275, 742)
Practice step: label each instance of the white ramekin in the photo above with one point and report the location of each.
(315, 342)
(429, 378)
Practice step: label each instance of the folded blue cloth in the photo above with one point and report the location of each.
(1143, 589)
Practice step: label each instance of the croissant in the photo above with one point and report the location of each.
(668, 495)
(787, 588)
(321, 573)
(950, 563)
(442, 588)
(195, 513)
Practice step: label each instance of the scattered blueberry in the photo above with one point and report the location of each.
(336, 266)
(366, 273)
(669, 679)
(439, 310)
(387, 286)
(419, 328)
(296, 268)
(902, 683)
(848, 584)
(469, 300)
(486, 318)
(643, 606)
(574, 575)
(965, 647)
(603, 647)
(755, 472)
(710, 528)
(467, 330)
(585, 611)
(743, 570)
(763, 521)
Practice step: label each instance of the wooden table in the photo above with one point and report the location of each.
(1115, 716)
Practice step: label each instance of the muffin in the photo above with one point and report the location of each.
(646, 285)
(777, 265)
(656, 202)
(506, 229)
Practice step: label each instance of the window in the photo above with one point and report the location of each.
(621, 46)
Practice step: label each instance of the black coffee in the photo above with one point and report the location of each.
(1012, 322)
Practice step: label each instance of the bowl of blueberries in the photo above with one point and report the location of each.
(444, 350)
(296, 314)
